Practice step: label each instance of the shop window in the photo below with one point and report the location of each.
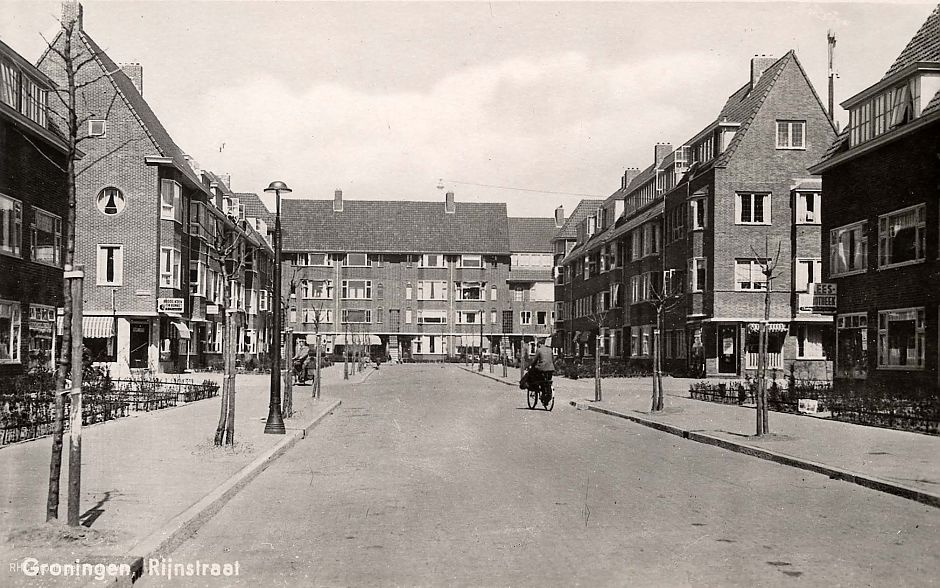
(9, 331)
(902, 236)
(851, 346)
(901, 338)
(809, 343)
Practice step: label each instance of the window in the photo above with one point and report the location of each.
(809, 342)
(9, 331)
(351, 315)
(791, 134)
(902, 236)
(170, 267)
(651, 237)
(432, 317)
(471, 261)
(752, 209)
(432, 290)
(807, 208)
(749, 275)
(848, 249)
(852, 346)
(110, 265)
(697, 274)
(636, 244)
(525, 317)
(408, 290)
(97, 128)
(470, 290)
(110, 201)
(380, 290)
(170, 206)
(808, 271)
(11, 225)
(316, 315)
(357, 289)
(901, 338)
(697, 218)
(317, 289)
(8, 83)
(356, 260)
(541, 317)
(469, 317)
(493, 292)
(313, 259)
(34, 101)
(493, 316)
(45, 234)
(432, 260)
(407, 316)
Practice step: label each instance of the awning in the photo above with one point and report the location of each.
(182, 329)
(357, 340)
(97, 327)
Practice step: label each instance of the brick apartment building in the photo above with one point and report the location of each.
(881, 220)
(415, 280)
(564, 241)
(694, 225)
(146, 213)
(33, 209)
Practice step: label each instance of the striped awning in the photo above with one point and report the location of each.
(358, 340)
(182, 329)
(97, 327)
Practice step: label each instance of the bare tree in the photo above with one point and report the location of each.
(599, 320)
(662, 299)
(229, 251)
(768, 267)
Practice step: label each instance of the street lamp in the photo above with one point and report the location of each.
(275, 422)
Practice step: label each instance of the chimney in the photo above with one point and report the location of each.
(759, 64)
(135, 72)
(449, 206)
(72, 12)
(559, 217)
(628, 175)
(226, 179)
(338, 201)
(660, 152)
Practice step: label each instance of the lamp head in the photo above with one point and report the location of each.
(278, 186)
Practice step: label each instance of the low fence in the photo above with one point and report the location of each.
(27, 410)
(916, 410)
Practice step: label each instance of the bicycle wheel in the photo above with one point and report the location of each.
(551, 401)
(551, 397)
(533, 397)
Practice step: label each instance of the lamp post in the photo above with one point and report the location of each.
(275, 422)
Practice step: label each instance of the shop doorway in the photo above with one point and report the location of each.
(727, 349)
(139, 344)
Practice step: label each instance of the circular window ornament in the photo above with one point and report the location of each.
(111, 201)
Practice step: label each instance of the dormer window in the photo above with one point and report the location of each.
(432, 260)
(884, 111)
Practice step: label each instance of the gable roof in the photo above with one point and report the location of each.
(255, 208)
(394, 227)
(584, 209)
(923, 46)
(531, 234)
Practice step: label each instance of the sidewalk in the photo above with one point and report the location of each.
(141, 471)
(898, 462)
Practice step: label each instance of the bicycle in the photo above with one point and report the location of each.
(540, 391)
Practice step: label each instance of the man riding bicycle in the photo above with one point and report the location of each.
(541, 369)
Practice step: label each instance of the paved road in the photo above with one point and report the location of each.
(429, 475)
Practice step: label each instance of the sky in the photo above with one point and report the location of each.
(532, 104)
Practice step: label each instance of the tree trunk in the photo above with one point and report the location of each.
(597, 367)
(225, 430)
(75, 432)
(316, 383)
(287, 399)
(55, 463)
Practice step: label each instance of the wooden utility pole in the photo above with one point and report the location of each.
(75, 279)
(831, 42)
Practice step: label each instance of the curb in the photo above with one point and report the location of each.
(182, 526)
(486, 375)
(834, 473)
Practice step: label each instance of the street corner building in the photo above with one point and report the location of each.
(416, 280)
(168, 250)
(880, 246)
(33, 208)
(695, 228)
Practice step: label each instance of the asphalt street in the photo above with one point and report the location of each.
(429, 476)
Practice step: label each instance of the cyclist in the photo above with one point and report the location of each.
(542, 368)
(301, 359)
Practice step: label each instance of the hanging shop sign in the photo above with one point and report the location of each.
(169, 305)
(771, 327)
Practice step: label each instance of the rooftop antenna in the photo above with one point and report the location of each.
(831, 40)
(440, 184)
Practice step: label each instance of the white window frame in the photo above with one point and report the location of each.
(117, 261)
(694, 266)
(366, 287)
(424, 261)
(803, 214)
(920, 337)
(751, 209)
(813, 263)
(170, 260)
(348, 263)
(525, 317)
(304, 259)
(461, 317)
(12, 219)
(366, 313)
(920, 236)
(802, 333)
(317, 289)
(459, 288)
(698, 211)
(56, 222)
(11, 309)
(756, 281)
(427, 316)
(788, 126)
(465, 258)
(861, 246)
(171, 200)
(98, 128)
(431, 290)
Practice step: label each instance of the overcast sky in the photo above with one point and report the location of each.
(383, 99)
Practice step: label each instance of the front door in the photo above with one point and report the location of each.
(728, 349)
(140, 344)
